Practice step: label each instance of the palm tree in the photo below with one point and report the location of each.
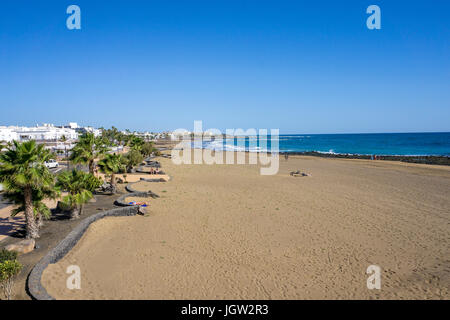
(87, 149)
(111, 164)
(112, 136)
(131, 159)
(79, 185)
(122, 139)
(22, 168)
(136, 142)
(40, 209)
(148, 148)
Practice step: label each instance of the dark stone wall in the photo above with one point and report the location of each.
(440, 160)
(121, 200)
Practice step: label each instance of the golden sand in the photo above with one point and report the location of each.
(226, 232)
(134, 177)
(137, 199)
(144, 186)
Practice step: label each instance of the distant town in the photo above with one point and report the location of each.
(63, 137)
(50, 132)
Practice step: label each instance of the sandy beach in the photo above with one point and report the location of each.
(227, 232)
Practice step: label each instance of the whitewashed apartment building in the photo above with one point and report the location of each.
(46, 132)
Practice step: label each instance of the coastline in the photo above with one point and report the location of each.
(420, 159)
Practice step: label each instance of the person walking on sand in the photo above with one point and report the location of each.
(286, 156)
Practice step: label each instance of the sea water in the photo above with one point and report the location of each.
(411, 144)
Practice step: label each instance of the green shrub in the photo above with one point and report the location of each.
(148, 148)
(132, 159)
(92, 182)
(7, 255)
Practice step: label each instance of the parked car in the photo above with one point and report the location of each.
(51, 164)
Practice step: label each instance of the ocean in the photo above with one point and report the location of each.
(405, 144)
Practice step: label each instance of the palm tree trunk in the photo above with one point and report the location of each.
(91, 166)
(113, 183)
(75, 213)
(113, 180)
(32, 228)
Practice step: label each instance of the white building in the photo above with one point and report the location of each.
(73, 125)
(96, 132)
(8, 134)
(46, 132)
(177, 134)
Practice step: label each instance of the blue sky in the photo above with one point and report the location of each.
(300, 66)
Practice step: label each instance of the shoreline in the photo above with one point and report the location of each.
(419, 159)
